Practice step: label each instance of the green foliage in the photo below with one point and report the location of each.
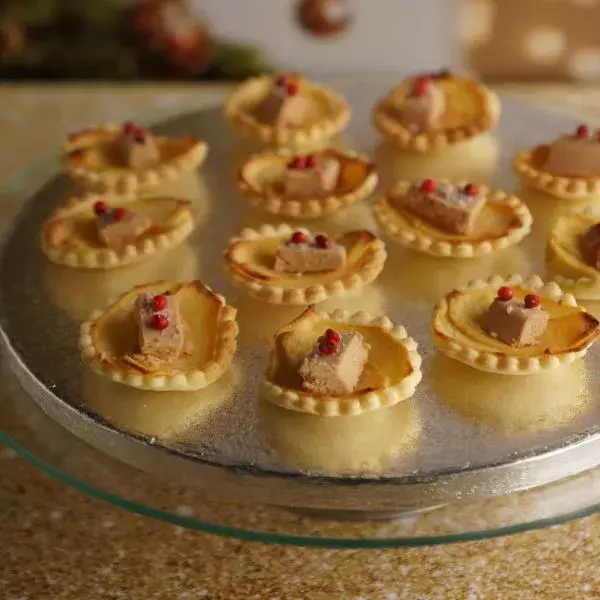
(85, 39)
(238, 61)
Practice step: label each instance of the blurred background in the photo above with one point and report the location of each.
(232, 39)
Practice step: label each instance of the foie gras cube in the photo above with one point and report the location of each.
(301, 254)
(513, 323)
(159, 325)
(311, 176)
(445, 206)
(590, 246)
(424, 107)
(138, 148)
(571, 155)
(284, 106)
(118, 227)
(335, 364)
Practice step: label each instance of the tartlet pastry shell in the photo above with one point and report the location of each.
(250, 92)
(587, 285)
(253, 185)
(370, 265)
(181, 224)
(329, 406)
(191, 379)
(437, 139)
(121, 179)
(559, 186)
(449, 245)
(503, 362)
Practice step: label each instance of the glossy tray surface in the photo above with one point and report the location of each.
(464, 433)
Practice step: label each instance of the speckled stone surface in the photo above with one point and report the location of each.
(56, 543)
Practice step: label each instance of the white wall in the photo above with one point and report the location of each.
(386, 37)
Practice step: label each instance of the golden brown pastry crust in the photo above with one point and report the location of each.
(177, 157)
(401, 226)
(564, 258)
(362, 401)
(486, 114)
(237, 110)
(503, 359)
(358, 179)
(366, 258)
(528, 166)
(190, 375)
(55, 239)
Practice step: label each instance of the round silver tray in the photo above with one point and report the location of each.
(464, 435)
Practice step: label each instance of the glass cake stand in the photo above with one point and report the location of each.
(471, 455)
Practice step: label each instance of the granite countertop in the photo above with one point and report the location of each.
(56, 543)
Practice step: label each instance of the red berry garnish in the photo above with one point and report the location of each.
(311, 161)
(322, 241)
(327, 347)
(129, 128)
(160, 322)
(140, 136)
(422, 86)
(100, 208)
(280, 80)
(471, 189)
(159, 302)
(299, 237)
(505, 294)
(119, 214)
(582, 132)
(333, 335)
(428, 186)
(299, 162)
(292, 89)
(532, 301)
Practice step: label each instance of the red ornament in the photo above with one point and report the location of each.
(299, 237)
(327, 347)
(280, 80)
(428, 186)
(322, 241)
(140, 136)
(129, 128)
(422, 86)
(160, 322)
(292, 89)
(471, 189)
(532, 301)
(505, 294)
(333, 335)
(100, 208)
(311, 161)
(582, 132)
(159, 302)
(119, 214)
(298, 162)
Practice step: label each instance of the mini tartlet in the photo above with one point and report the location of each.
(260, 181)
(503, 222)
(553, 168)
(458, 330)
(565, 257)
(92, 157)
(108, 340)
(250, 260)
(70, 237)
(468, 109)
(391, 375)
(329, 113)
